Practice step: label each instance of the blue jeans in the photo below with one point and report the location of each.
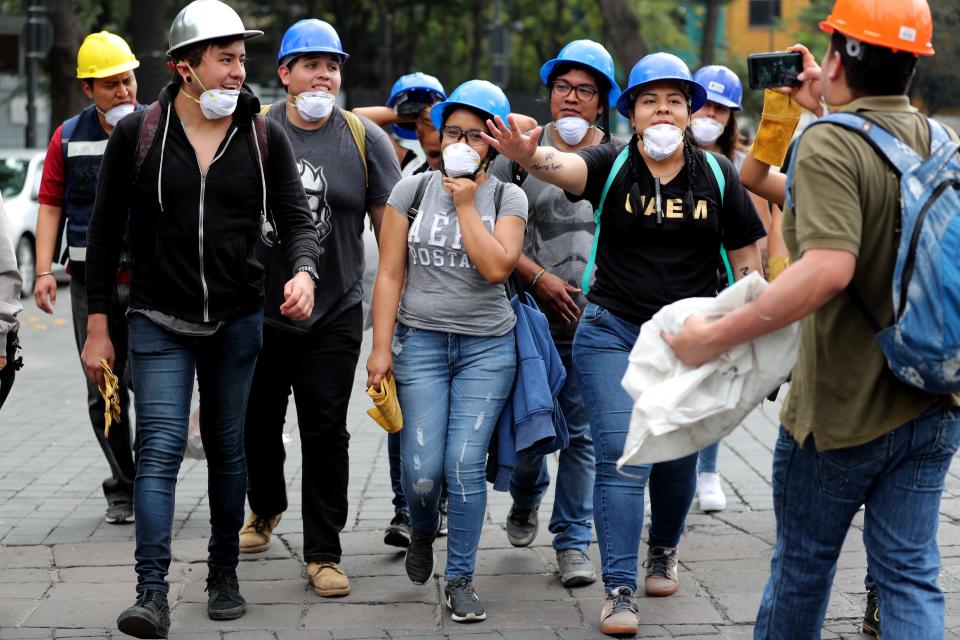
(899, 476)
(600, 350)
(707, 459)
(573, 498)
(451, 389)
(164, 366)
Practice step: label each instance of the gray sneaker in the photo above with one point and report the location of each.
(522, 525)
(119, 512)
(576, 569)
(661, 566)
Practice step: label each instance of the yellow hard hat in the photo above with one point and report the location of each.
(104, 54)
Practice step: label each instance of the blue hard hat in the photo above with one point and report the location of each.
(310, 36)
(722, 85)
(479, 94)
(588, 54)
(661, 66)
(414, 82)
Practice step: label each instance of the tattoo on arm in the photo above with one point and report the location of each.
(543, 166)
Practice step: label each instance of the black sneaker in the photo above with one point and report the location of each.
(522, 525)
(463, 602)
(119, 512)
(149, 617)
(420, 560)
(224, 601)
(398, 533)
(442, 529)
(871, 617)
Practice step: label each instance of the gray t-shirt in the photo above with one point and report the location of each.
(444, 291)
(559, 232)
(332, 174)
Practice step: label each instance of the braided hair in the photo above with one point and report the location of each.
(638, 171)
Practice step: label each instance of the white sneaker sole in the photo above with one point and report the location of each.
(470, 617)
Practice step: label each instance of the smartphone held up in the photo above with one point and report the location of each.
(775, 69)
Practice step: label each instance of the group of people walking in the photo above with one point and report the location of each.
(215, 240)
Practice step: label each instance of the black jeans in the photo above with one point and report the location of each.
(319, 367)
(118, 448)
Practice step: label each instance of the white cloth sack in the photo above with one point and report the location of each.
(678, 410)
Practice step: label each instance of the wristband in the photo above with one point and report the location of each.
(45, 273)
(536, 278)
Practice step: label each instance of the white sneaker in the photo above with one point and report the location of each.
(710, 492)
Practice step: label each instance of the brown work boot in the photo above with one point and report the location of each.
(618, 617)
(255, 535)
(661, 565)
(328, 579)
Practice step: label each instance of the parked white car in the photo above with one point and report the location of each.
(20, 173)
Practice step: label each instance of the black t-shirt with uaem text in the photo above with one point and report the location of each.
(644, 261)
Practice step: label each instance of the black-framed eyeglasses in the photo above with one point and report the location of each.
(474, 136)
(585, 92)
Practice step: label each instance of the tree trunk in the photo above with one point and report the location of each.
(479, 33)
(710, 21)
(148, 34)
(623, 29)
(385, 66)
(66, 98)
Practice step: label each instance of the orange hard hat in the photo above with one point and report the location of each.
(901, 25)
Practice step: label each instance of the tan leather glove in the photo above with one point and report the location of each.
(781, 114)
(386, 408)
(111, 398)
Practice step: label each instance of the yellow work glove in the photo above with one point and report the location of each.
(776, 266)
(386, 408)
(781, 114)
(111, 398)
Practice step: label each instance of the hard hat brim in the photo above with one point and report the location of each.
(719, 99)
(547, 69)
(698, 96)
(246, 35)
(110, 71)
(827, 26)
(394, 97)
(406, 134)
(290, 56)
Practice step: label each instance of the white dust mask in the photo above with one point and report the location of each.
(459, 159)
(706, 131)
(314, 105)
(218, 103)
(114, 115)
(572, 129)
(215, 103)
(661, 140)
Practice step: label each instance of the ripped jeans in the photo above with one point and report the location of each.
(451, 389)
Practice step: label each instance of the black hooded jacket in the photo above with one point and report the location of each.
(193, 237)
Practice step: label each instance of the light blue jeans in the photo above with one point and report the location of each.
(571, 522)
(707, 460)
(452, 389)
(600, 350)
(899, 477)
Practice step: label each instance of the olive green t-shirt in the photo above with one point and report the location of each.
(846, 197)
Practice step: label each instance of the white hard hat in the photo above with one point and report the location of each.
(206, 20)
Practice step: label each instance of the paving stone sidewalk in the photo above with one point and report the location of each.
(64, 573)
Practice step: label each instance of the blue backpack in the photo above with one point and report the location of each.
(922, 345)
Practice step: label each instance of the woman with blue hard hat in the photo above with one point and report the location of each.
(347, 168)
(663, 206)
(443, 326)
(714, 128)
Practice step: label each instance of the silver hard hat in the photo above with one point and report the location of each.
(206, 20)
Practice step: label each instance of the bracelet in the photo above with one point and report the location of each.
(536, 278)
(45, 273)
